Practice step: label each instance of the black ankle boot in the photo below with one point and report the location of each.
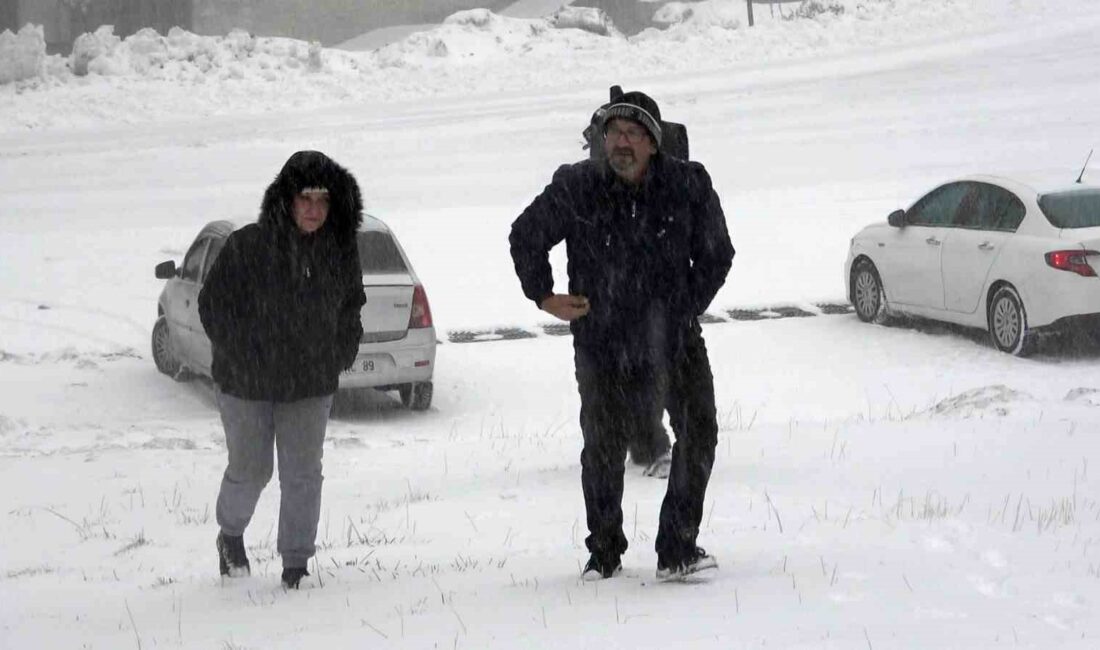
(232, 559)
(292, 576)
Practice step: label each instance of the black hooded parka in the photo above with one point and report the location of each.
(649, 258)
(282, 308)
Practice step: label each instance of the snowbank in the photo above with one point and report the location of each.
(734, 15)
(150, 77)
(22, 55)
(588, 19)
(183, 56)
(467, 36)
(479, 35)
(89, 47)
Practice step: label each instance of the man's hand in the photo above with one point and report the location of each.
(565, 307)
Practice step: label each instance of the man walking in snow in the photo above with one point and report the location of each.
(648, 249)
(281, 307)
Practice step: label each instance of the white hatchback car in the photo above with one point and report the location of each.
(984, 252)
(397, 351)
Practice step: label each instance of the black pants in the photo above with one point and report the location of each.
(649, 441)
(613, 403)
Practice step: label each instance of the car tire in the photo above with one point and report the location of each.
(165, 361)
(416, 396)
(1007, 321)
(868, 296)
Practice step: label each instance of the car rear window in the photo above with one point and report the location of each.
(378, 254)
(1072, 208)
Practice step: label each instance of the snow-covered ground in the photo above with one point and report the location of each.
(875, 487)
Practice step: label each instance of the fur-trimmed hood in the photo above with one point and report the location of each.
(314, 169)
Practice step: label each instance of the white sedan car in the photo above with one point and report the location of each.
(397, 351)
(984, 252)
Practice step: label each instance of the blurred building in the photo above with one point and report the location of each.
(328, 21)
(64, 20)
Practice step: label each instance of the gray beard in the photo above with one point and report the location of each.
(622, 165)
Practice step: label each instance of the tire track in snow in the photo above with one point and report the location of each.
(67, 330)
(75, 331)
(46, 306)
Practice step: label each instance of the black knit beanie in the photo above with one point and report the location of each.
(639, 107)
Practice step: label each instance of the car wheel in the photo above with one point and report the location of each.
(868, 296)
(165, 361)
(416, 396)
(1008, 323)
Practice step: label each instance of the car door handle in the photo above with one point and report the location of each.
(986, 246)
(932, 241)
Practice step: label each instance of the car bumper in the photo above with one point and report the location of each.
(855, 250)
(392, 363)
(1053, 297)
(1086, 323)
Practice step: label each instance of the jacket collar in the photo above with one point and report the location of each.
(652, 182)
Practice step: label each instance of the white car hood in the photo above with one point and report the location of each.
(874, 230)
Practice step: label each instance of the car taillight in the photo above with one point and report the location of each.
(1074, 261)
(421, 315)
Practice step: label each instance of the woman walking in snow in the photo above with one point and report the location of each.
(281, 307)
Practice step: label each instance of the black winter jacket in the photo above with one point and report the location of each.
(649, 259)
(281, 308)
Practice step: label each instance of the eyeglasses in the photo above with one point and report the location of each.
(633, 135)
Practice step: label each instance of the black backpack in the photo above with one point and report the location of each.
(674, 136)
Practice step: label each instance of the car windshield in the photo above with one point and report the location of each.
(1072, 208)
(378, 254)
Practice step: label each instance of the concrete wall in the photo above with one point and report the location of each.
(328, 21)
(63, 24)
(9, 15)
(47, 13)
(128, 16)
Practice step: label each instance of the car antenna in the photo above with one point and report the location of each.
(1082, 175)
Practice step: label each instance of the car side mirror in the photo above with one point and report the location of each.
(166, 270)
(896, 219)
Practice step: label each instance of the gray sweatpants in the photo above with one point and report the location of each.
(297, 431)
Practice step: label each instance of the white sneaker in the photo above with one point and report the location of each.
(596, 570)
(701, 561)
